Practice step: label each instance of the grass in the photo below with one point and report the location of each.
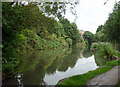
(117, 54)
(82, 79)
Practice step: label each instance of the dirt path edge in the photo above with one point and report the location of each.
(110, 77)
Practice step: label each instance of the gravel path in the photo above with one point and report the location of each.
(108, 78)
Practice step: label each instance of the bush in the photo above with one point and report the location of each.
(103, 49)
(69, 41)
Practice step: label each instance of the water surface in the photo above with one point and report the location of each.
(50, 66)
(82, 65)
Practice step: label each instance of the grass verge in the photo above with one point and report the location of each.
(117, 54)
(82, 79)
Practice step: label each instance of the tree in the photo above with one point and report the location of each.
(54, 9)
(99, 28)
(88, 37)
(71, 30)
(112, 25)
(100, 34)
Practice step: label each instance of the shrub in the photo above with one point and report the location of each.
(69, 41)
(103, 49)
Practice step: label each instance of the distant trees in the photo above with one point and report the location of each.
(88, 37)
(99, 28)
(100, 34)
(71, 30)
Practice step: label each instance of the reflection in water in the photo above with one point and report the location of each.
(100, 60)
(86, 52)
(48, 67)
(83, 65)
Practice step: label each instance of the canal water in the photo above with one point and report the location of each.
(50, 66)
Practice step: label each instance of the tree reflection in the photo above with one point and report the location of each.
(39, 63)
(100, 60)
(86, 52)
(71, 59)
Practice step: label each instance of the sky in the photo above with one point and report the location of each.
(91, 14)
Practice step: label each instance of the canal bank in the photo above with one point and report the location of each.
(84, 78)
(108, 78)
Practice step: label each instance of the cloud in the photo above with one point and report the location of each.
(91, 14)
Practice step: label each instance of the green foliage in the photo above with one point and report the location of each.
(26, 28)
(88, 37)
(71, 31)
(86, 52)
(109, 32)
(100, 34)
(112, 25)
(99, 28)
(117, 54)
(105, 50)
(56, 9)
(69, 41)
